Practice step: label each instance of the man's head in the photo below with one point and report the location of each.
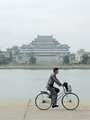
(55, 70)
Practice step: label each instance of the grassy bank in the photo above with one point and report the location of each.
(27, 66)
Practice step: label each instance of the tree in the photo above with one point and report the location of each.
(32, 58)
(85, 59)
(66, 59)
(31, 54)
(10, 56)
(3, 60)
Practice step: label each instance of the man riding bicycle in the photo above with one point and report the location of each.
(53, 90)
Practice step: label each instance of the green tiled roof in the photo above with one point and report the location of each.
(45, 38)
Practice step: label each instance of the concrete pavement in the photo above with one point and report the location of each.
(25, 109)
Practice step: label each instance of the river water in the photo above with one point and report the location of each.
(19, 83)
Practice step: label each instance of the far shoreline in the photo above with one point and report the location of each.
(46, 67)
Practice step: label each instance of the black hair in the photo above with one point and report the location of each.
(55, 69)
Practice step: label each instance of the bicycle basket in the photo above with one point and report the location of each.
(65, 84)
(69, 88)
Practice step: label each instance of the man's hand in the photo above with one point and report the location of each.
(61, 84)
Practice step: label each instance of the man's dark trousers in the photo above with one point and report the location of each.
(53, 91)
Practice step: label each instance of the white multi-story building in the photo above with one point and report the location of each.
(46, 50)
(79, 55)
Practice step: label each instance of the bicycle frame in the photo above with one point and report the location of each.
(61, 94)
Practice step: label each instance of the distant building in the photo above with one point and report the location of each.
(72, 58)
(79, 55)
(88, 53)
(47, 51)
(15, 53)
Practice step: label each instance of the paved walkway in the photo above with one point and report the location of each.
(25, 109)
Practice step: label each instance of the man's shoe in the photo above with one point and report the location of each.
(55, 106)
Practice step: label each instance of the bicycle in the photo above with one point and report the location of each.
(69, 100)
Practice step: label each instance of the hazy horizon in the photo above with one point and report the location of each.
(22, 20)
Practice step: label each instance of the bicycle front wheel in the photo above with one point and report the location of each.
(70, 101)
(42, 101)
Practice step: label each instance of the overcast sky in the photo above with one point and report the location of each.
(67, 20)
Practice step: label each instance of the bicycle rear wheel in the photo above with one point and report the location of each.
(70, 101)
(42, 101)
